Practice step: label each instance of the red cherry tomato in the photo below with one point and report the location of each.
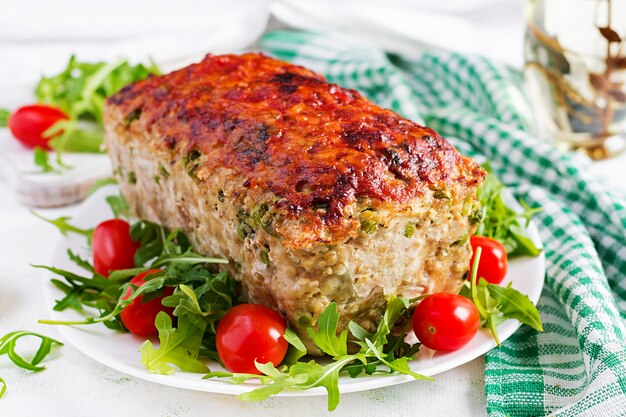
(445, 321)
(493, 262)
(138, 317)
(248, 332)
(28, 124)
(112, 247)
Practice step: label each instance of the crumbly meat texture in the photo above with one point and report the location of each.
(312, 192)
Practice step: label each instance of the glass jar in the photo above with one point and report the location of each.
(575, 73)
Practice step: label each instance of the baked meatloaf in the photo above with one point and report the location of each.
(312, 192)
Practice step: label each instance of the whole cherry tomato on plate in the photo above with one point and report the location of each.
(250, 332)
(113, 247)
(138, 317)
(493, 262)
(29, 123)
(444, 321)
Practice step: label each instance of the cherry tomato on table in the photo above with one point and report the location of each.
(444, 321)
(138, 317)
(112, 247)
(28, 124)
(248, 332)
(493, 262)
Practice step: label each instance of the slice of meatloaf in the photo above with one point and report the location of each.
(313, 193)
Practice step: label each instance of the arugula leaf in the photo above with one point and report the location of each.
(512, 304)
(278, 384)
(179, 346)
(525, 246)
(106, 294)
(79, 261)
(395, 308)
(96, 292)
(187, 258)
(496, 304)
(358, 331)
(4, 120)
(69, 136)
(400, 365)
(103, 294)
(97, 282)
(80, 90)
(358, 368)
(71, 299)
(157, 242)
(274, 381)
(82, 87)
(321, 376)
(201, 297)
(165, 250)
(64, 227)
(326, 337)
(100, 183)
(296, 348)
(42, 161)
(397, 346)
(151, 238)
(8, 346)
(500, 222)
(301, 375)
(119, 206)
(123, 275)
(211, 299)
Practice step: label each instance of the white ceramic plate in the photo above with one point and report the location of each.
(120, 350)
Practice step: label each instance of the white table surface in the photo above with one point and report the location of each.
(75, 385)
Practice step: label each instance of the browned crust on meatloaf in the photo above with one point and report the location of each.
(317, 147)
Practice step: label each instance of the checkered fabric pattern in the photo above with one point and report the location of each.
(577, 366)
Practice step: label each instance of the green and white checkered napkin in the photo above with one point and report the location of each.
(577, 366)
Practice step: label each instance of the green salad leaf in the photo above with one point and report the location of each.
(80, 90)
(4, 117)
(512, 304)
(83, 263)
(62, 223)
(42, 160)
(496, 304)
(325, 337)
(179, 346)
(118, 205)
(101, 183)
(201, 296)
(500, 222)
(70, 136)
(296, 348)
(8, 346)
